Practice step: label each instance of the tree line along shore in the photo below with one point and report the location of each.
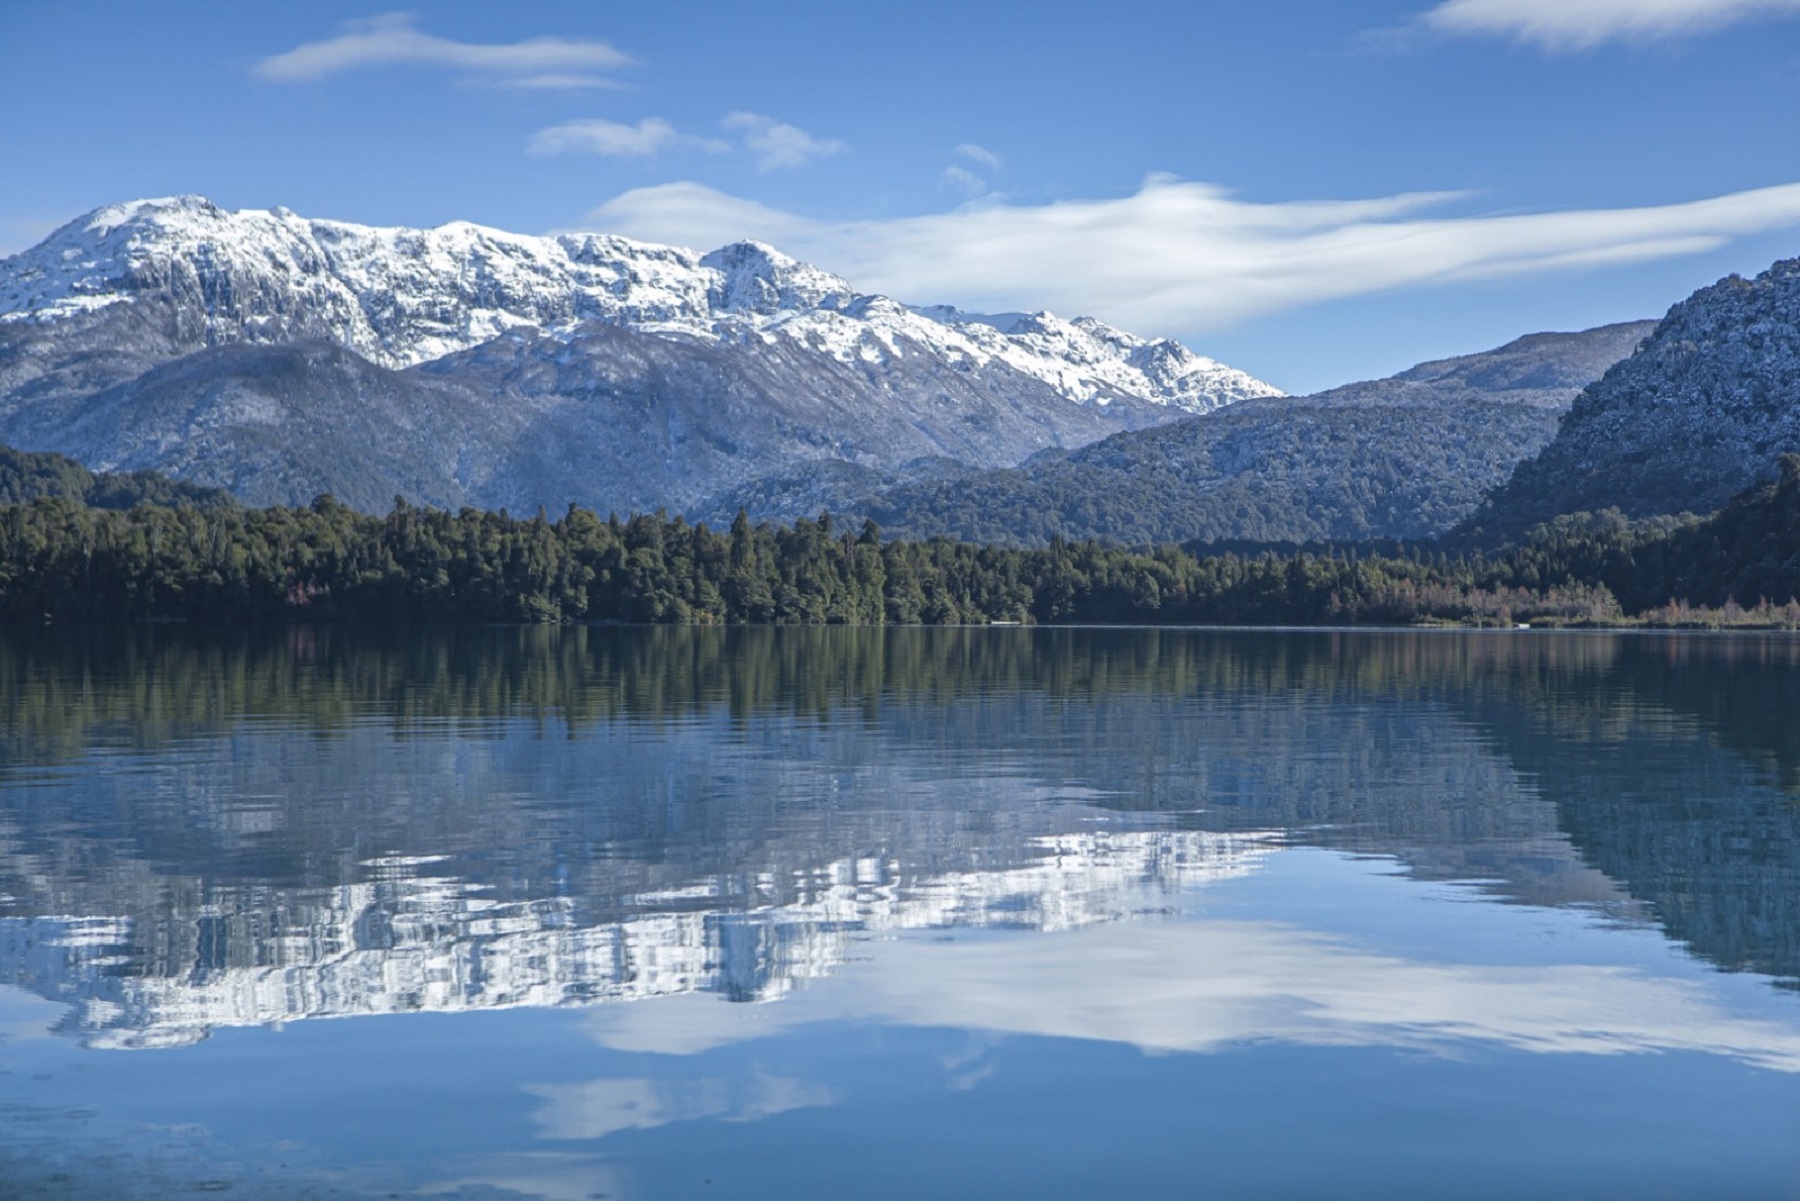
(63, 559)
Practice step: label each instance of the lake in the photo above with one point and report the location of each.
(647, 913)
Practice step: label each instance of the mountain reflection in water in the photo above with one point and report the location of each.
(204, 831)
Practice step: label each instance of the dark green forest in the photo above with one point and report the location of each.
(26, 476)
(65, 560)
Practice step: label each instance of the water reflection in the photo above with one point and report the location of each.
(1204, 984)
(420, 943)
(200, 832)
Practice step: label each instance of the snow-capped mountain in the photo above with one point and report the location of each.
(401, 297)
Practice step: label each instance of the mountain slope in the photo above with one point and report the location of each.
(1703, 410)
(622, 420)
(1748, 551)
(1405, 457)
(282, 424)
(399, 297)
(281, 357)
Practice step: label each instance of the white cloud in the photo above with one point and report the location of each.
(971, 182)
(777, 144)
(1583, 24)
(965, 180)
(547, 82)
(1186, 257)
(392, 39)
(979, 154)
(774, 144)
(596, 135)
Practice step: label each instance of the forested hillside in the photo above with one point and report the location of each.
(1405, 457)
(25, 477)
(64, 561)
(1703, 410)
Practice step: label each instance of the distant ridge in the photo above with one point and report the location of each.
(1401, 458)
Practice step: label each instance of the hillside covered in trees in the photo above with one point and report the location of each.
(1703, 409)
(26, 476)
(1405, 457)
(62, 560)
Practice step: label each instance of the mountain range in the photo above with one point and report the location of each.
(282, 357)
(276, 358)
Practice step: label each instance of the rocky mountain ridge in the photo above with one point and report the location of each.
(399, 297)
(281, 357)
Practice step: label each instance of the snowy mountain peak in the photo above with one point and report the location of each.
(1107, 361)
(157, 208)
(401, 296)
(757, 278)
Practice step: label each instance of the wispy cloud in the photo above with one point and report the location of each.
(980, 155)
(551, 81)
(964, 180)
(393, 39)
(778, 145)
(596, 135)
(971, 182)
(1565, 25)
(1186, 257)
(773, 144)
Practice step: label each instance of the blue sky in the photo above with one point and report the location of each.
(1314, 191)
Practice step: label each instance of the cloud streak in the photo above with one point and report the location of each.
(778, 145)
(1187, 257)
(773, 144)
(393, 40)
(979, 155)
(964, 180)
(596, 135)
(1569, 25)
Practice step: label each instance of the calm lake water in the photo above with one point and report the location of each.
(923, 913)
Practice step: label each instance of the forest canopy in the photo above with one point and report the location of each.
(62, 559)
